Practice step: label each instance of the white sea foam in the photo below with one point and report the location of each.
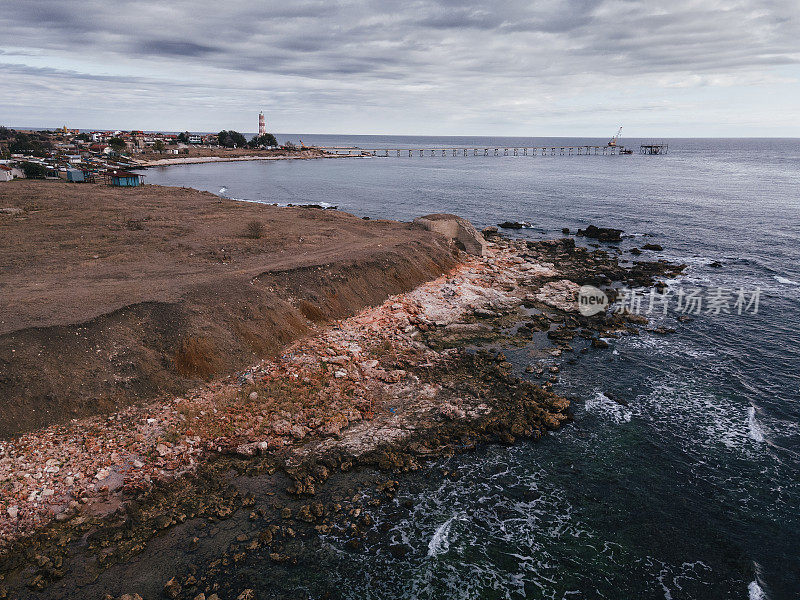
(705, 418)
(754, 429)
(606, 407)
(440, 542)
(222, 190)
(668, 347)
(755, 591)
(785, 281)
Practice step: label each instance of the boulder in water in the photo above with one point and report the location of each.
(510, 225)
(601, 234)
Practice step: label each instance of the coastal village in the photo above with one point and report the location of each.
(79, 156)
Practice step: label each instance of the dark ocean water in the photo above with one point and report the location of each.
(690, 491)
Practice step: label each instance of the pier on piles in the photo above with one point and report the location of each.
(476, 151)
(653, 148)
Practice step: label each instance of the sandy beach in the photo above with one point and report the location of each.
(211, 155)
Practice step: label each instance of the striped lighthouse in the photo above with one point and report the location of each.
(262, 126)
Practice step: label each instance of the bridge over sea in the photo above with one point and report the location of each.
(585, 150)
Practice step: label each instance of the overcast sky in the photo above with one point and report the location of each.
(438, 67)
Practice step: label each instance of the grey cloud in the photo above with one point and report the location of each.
(173, 48)
(360, 37)
(422, 52)
(49, 72)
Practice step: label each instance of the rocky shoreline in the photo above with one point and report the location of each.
(278, 448)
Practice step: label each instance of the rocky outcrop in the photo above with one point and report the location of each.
(515, 225)
(461, 231)
(490, 232)
(601, 234)
(510, 225)
(653, 247)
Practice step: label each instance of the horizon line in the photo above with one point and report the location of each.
(719, 137)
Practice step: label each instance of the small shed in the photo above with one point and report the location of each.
(123, 179)
(75, 176)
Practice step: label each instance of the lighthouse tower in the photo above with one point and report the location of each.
(262, 126)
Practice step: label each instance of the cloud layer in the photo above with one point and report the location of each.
(428, 66)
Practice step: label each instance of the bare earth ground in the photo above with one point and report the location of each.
(114, 295)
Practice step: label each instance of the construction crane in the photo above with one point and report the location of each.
(615, 139)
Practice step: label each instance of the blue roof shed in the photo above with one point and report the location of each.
(124, 179)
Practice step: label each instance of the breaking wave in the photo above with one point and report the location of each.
(755, 592)
(440, 542)
(606, 407)
(754, 429)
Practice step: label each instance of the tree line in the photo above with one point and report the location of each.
(32, 144)
(228, 138)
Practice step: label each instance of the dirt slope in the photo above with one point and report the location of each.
(110, 296)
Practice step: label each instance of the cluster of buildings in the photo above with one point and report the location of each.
(80, 156)
(139, 142)
(67, 154)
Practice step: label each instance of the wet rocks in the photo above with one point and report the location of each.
(601, 234)
(561, 335)
(560, 294)
(653, 247)
(451, 411)
(661, 330)
(614, 398)
(715, 265)
(172, 589)
(511, 225)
